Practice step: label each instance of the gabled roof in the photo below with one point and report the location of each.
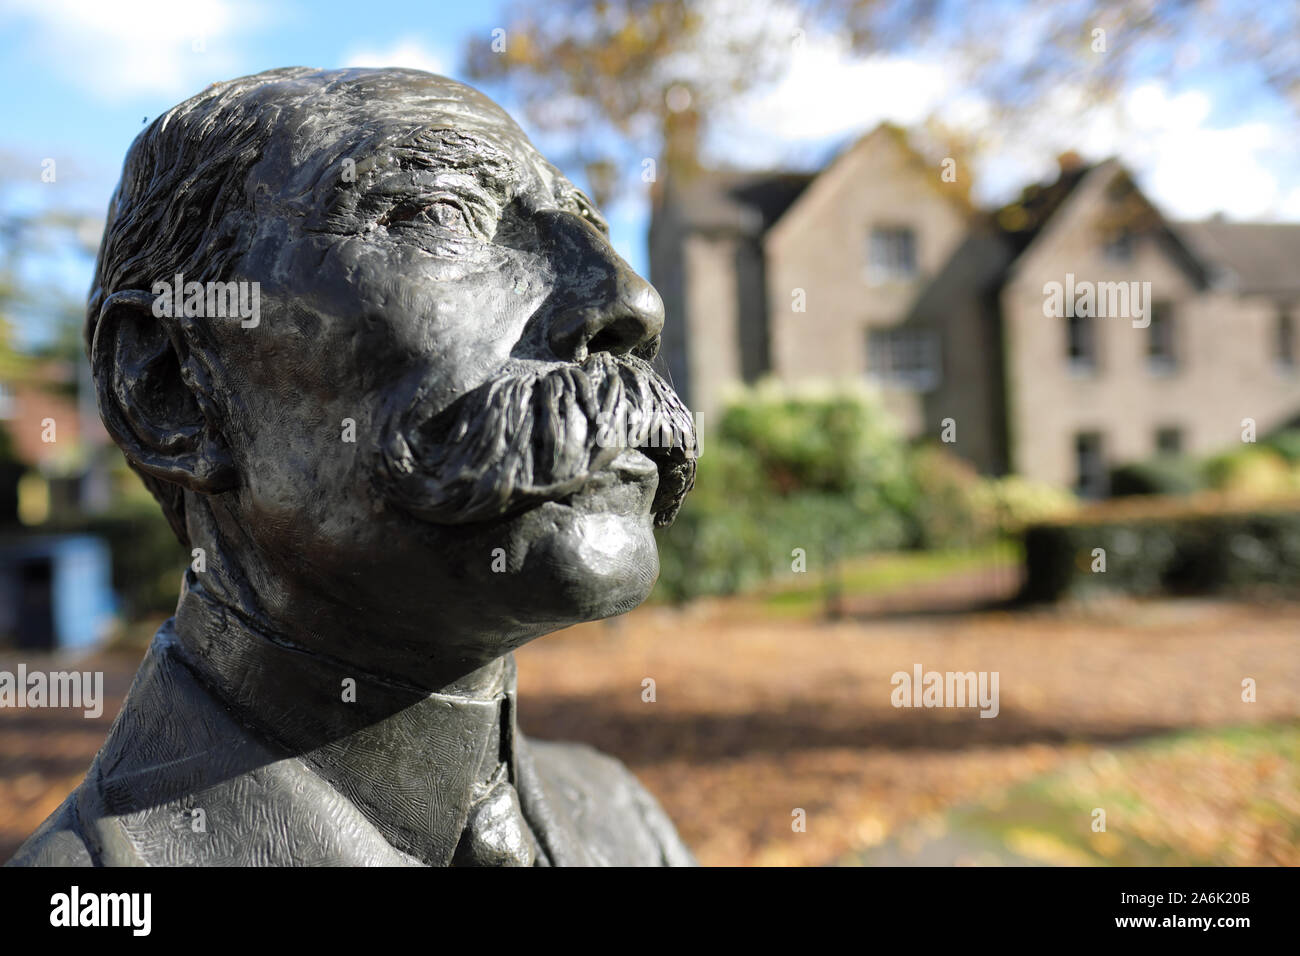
(1257, 257)
(1022, 221)
(744, 202)
(750, 203)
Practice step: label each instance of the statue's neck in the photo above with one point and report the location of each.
(412, 759)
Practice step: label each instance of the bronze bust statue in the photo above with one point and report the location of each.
(435, 436)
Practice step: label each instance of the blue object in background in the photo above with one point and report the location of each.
(55, 591)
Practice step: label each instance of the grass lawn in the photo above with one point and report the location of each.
(804, 594)
(1206, 798)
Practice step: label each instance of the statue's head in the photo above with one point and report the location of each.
(419, 414)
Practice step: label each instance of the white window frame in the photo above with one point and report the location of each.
(880, 272)
(905, 357)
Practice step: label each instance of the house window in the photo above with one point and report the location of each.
(1169, 440)
(1284, 342)
(1081, 344)
(891, 254)
(904, 358)
(1120, 248)
(1162, 357)
(1089, 465)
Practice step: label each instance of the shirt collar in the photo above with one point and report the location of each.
(412, 761)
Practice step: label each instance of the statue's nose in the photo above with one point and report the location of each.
(603, 305)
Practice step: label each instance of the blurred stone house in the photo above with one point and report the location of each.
(876, 268)
(53, 438)
(55, 582)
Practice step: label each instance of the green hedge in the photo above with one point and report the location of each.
(1183, 552)
(1164, 475)
(823, 469)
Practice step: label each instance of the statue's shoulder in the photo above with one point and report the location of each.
(587, 808)
(57, 842)
(175, 750)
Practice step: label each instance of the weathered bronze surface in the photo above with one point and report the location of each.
(404, 446)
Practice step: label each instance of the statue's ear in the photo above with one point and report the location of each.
(151, 400)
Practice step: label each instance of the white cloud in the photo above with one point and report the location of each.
(827, 93)
(137, 47)
(407, 52)
(1289, 207)
(1190, 168)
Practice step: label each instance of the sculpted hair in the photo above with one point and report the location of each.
(177, 208)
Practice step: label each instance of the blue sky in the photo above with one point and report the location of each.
(79, 87)
(81, 77)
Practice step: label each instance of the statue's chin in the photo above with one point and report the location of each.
(584, 565)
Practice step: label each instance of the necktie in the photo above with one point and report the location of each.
(496, 833)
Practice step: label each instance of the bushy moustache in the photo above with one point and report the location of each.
(525, 438)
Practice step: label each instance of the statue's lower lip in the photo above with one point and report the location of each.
(631, 463)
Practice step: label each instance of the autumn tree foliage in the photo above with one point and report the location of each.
(624, 80)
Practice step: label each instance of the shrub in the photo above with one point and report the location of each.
(788, 467)
(717, 544)
(1286, 443)
(815, 437)
(1250, 472)
(1163, 475)
(944, 510)
(1010, 503)
(956, 507)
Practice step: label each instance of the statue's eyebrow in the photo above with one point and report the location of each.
(451, 149)
(573, 198)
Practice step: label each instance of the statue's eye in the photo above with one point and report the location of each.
(447, 215)
(442, 213)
